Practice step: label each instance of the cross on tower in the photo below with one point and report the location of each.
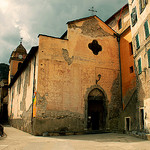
(21, 40)
(92, 11)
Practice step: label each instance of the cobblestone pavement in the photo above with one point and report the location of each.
(18, 140)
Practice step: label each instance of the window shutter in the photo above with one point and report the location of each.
(146, 29)
(139, 66)
(143, 5)
(134, 16)
(137, 41)
(132, 19)
(149, 58)
(140, 5)
(145, 2)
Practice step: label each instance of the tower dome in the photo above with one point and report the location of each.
(16, 59)
(20, 49)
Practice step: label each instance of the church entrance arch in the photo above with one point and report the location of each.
(96, 110)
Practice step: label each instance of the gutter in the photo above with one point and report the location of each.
(33, 94)
(118, 40)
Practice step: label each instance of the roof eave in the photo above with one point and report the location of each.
(111, 18)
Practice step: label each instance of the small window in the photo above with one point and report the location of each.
(139, 66)
(142, 5)
(131, 69)
(120, 24)
(131, 48)
(146, 29)
(134, 16)
(149, 58)
(137, 41)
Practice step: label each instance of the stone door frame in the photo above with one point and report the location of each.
(86, 103)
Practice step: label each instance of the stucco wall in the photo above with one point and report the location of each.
(13, 68)
(127, 61)
(68, 68)
(123, 14)
(20, 98)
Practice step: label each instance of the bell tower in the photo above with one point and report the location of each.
(16, 59)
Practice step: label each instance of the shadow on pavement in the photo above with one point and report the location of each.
(104, 137)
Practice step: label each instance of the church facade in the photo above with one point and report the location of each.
(73, 83)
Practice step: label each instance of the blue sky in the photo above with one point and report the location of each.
(28, 18)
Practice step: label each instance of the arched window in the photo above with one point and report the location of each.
(120, 24)
(19, 65)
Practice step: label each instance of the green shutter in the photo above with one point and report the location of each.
(139, 66)
(149, 58)
(137, 41)
(146, 29)
(134, 16)
(145, 2)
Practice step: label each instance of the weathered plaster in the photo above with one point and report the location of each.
(65, 54)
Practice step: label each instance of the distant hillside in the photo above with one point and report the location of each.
(4, 69)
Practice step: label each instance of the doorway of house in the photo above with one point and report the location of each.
(127, 124)
(5, 113)
(142, 118)
(96, 110)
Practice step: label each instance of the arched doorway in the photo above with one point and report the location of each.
(96, 110)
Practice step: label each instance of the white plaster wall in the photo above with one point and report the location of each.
(17, 97)
(147, 113)
(141, 17)
(144, 77)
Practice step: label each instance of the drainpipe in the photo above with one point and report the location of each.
(118, 40)
(33, 91)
